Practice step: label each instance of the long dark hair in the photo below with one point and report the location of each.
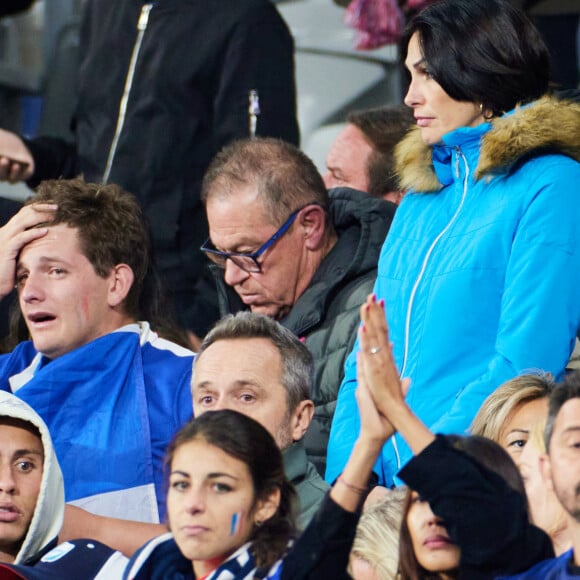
(487, 453)
(482, 51)
(247, 441)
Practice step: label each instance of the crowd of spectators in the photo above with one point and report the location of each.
(386, 393)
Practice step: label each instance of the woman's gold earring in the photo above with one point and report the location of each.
(486, 113)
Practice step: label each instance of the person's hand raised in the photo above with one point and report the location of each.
(374, 425)
(16, 162)
(376, 365)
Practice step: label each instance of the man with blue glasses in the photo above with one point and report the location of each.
(295, 252)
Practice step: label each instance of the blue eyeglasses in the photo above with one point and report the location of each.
(247, 261)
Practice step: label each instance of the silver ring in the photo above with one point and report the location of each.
(375, 349)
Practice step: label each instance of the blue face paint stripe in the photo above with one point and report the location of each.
(234, 525)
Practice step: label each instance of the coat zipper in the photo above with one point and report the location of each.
(141, 27)
(424, 267)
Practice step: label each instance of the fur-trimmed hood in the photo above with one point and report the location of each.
(548, 125)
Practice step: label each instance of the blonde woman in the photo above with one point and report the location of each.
(375, 551)
(508, 414)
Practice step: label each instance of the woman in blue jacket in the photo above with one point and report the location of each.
(480, 270)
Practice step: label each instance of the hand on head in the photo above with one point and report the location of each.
(16, 162)
(376, 366)
(17, 233)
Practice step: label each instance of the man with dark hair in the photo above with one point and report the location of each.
(295, 253)
(362, 155)
(110, 390)
(32, 506)
(29, 469)
(109, 226)
(251, 364)
(561, 466)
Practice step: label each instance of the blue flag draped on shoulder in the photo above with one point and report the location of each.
(94, 402)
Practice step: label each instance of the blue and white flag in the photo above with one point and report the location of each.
(94, 402)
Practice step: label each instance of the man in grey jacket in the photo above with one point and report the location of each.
(251, 364)
(288, 249)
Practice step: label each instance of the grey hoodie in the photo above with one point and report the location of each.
(49, 511)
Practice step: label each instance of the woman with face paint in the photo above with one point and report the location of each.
(231, 508)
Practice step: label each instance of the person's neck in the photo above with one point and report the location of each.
(561, 539)
(311, 265)
(118, 321)
(7, 554)
(202, 568)
(329, 243)
(574, 528)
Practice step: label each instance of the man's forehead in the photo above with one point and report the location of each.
(238, 221)
(351, 137)
(238, 360)
(568, 418)
(236, 195)
(13, 430)
(60, 240)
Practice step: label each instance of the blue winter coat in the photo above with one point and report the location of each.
(480, 270)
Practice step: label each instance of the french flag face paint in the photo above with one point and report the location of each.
(237, 523)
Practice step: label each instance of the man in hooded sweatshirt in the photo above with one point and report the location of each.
(32, 505)
(31, 484)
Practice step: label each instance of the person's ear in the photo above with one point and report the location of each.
(546, 470)
(300, 419)
(312, 221)
(394, 196)
(121, 279)
(399, 195)
(266, 508)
